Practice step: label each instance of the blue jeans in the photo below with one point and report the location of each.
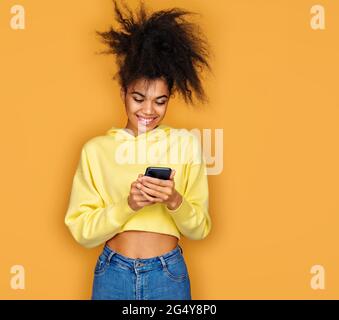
(117, 277)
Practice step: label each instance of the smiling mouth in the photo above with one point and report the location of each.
(146, 121)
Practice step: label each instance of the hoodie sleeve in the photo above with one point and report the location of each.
(192, 217)
(89, 220)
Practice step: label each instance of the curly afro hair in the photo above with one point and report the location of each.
(162, 45)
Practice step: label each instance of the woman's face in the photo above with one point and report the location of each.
(145, 104)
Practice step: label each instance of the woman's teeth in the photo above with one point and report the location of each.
(145, 121)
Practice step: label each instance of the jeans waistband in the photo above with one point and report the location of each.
(128, 262)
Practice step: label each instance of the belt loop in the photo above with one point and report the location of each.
(110, 256)
(182, 251)
(163, 262)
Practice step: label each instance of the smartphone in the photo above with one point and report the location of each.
(163, 173)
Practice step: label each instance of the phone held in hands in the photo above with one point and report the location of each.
(163, 173)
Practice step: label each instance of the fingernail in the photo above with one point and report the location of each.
(138, 185)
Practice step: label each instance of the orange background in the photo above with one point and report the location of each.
(274, 208)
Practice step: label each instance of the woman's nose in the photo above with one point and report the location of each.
(148, 108)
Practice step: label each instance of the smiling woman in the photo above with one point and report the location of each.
(141, 219)
(145, 103)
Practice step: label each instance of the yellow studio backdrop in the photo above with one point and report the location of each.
(274, 93)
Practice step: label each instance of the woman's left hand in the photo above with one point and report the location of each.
(159, 190)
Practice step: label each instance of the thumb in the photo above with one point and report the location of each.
(172, 174)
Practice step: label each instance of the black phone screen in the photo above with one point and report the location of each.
(163, 173)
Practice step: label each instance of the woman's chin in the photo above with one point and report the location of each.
(146, 127)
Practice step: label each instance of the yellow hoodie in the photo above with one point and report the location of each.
(98, 207)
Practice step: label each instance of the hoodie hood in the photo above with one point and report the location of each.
(180, 143)
(121, 133)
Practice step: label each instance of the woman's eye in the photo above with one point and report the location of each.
(158, 103)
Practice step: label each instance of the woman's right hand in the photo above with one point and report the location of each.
(136, 199)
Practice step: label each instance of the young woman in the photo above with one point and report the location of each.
(140, 219)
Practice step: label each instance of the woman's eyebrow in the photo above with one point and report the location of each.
(161, 96)
(144, 96)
